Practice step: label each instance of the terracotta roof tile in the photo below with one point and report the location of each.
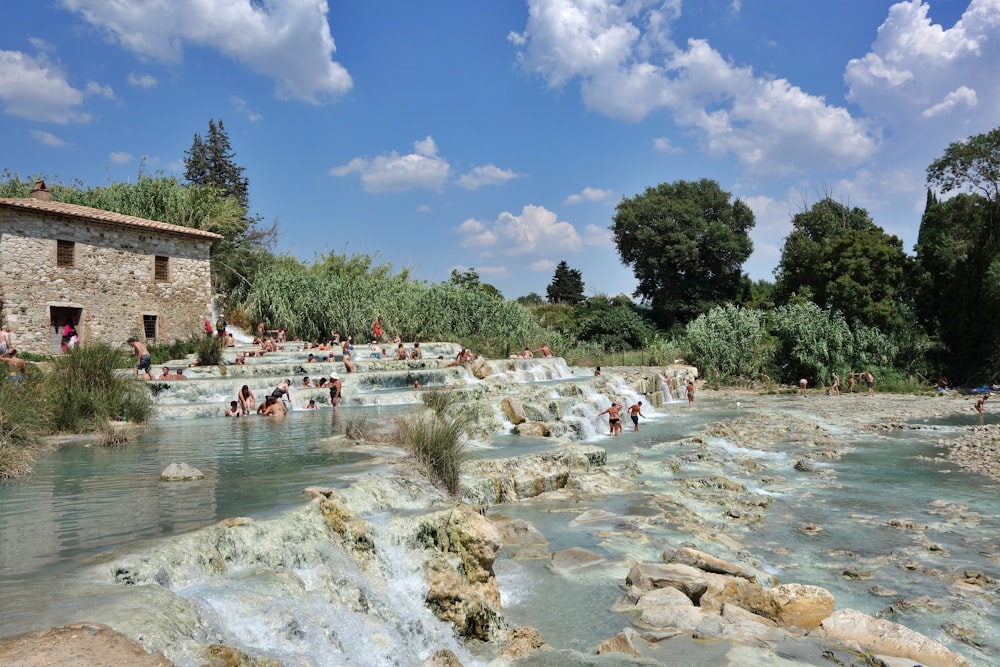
(107, 217)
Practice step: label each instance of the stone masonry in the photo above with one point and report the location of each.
(111, 284)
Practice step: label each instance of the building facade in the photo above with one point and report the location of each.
(111, 276)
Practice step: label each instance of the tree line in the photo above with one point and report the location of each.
(845, 294)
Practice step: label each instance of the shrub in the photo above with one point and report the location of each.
(209, 351)
(730, 342)
(438, 444)
(87, 387)
(22, 425)
(438, 401)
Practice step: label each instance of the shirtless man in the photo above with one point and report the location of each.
(143, 361)
(635, 412)
(614, 418)
(234, 409)
(545, 350)
(527, 353)
(15, 366)
(272, 407)
(5, 343)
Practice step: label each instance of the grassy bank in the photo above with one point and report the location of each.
(83, 390)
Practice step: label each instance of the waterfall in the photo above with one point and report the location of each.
(665, 387)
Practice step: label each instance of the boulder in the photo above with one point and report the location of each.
(481, 368)
(442, 658)
(704, 561)
(662, 617)
(535, 428)
(523, 640)
(472, 608)
(620, 643)
(789, 605)
(688, 580)
(880, 636)
(659, 597)
(178, 472)
(573, 558)
(514, 410)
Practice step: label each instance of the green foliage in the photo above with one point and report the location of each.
(685, 242)
(209, 351)
(812, 342)
(566, 286)
(839, 258)
(974, 164)
(23, 422)
(469, 279)
(210, 162)
(439, 444)
(613, 323)
(178, 349)
(556, 316)
(438, 401)
(86, 388)
(729, 343)
(530, 299)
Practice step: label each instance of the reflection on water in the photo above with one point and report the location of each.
(83, 500)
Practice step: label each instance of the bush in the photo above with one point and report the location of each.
(438, 401)
(23, 423)
(438, 444)
(209, 351)
(163, 352)
(730, 342)
(87, 387)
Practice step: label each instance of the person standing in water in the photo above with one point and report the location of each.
(614, 418)
(635, 412)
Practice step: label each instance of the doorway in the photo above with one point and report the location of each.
(59, 317)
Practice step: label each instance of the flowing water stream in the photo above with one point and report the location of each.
(91, 521)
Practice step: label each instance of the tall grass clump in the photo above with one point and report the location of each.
(438, 401)
(209, 351)
(438, 444)
(23, 423)
(87, 387)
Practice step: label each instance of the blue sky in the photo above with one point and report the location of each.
(499, 134)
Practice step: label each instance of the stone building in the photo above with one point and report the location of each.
(112, 276)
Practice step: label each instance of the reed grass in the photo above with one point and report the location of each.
(438, 444)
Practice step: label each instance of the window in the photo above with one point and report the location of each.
(65, 251)
(149, 326)
(160, 268)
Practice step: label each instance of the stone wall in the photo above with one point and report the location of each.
(111, 280)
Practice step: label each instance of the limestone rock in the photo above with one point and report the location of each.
(885, 637)
(481, 368)
(704, 561)
(442, 658)
(523, 640)
(176, 472)
(790, 605)
(573, 558)
(663, 597)
(535, 428)
(620, 643)
(469, 607)
(514, 410)
(660, 617)
(688, 580)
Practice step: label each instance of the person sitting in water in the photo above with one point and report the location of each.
(310, 359)
(234, 409)
(311, 405)
(416, 384)
(273, 407)
(416, 353)
(320, 383)
(167, 375)
(401, 352)
(374, 351)
(241, 358)
(348, 362)
(305, 382)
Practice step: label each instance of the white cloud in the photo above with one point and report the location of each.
(962, 96)
(288, 41)
(596, 236)
(492, 271)
(627, 67)
(396, 173)
(588, 194)
(423, 208)
(120, 157)
(145, 81)
(663, 145)
(542, 265)
(36, 88)
(240, 105)
(919, 73)
(47, 138)
(105, 91)
(487, 175)
(535, 229)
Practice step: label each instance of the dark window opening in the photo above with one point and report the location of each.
(149, 326)
(160, 266)
(65, 253)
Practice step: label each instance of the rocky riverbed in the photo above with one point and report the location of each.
(691, 560)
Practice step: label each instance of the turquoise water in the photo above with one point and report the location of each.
(86, 503)
(84, 500)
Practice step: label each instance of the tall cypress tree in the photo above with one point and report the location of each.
(566, 286)
(210, 161)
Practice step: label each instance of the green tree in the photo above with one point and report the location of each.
(973, 164)
(685, 242)
(614, 323)
(469, 279)
(839, 258)
(812, 342)
(211, 161)
(530, 299)
(566, 286)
